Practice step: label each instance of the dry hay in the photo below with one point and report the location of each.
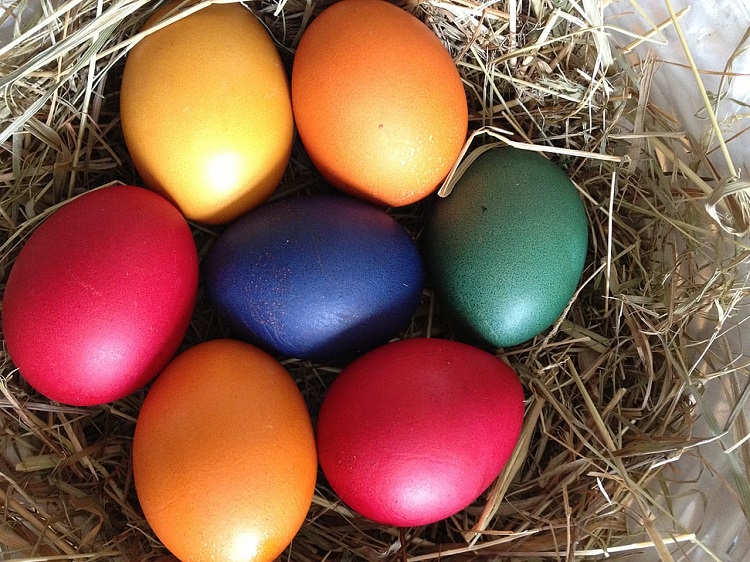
(612, 389)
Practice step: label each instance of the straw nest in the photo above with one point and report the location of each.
(612, 389)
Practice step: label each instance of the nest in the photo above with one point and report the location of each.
(613, 388)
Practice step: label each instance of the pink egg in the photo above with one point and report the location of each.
(101, 295)
(415, 430)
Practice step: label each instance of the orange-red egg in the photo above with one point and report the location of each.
(378, 102)
(206, 111)
(224, 457)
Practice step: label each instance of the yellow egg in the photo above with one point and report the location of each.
(206, 111)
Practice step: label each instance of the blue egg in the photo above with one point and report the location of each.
(319, 277)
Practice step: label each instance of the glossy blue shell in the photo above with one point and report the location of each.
(315, 277)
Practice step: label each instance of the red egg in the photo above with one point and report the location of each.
(101, 295)
(415, 430)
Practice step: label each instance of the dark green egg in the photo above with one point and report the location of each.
(506, 249)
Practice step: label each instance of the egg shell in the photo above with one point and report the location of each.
(224, 460)
(378, 102)
(506, 249)
(101, 295)
(317, 277)
(206, 111)
(415, 430)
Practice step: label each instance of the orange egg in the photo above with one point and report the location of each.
(206, 111)
(378, 102)
(224, 457)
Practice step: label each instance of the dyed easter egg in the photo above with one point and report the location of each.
(315, 277)
(206, 111)
(415, 430)
(378, 102)
(506, 249)
(101, 295)
(224, 458)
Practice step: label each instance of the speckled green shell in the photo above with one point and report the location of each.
(506, 249)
